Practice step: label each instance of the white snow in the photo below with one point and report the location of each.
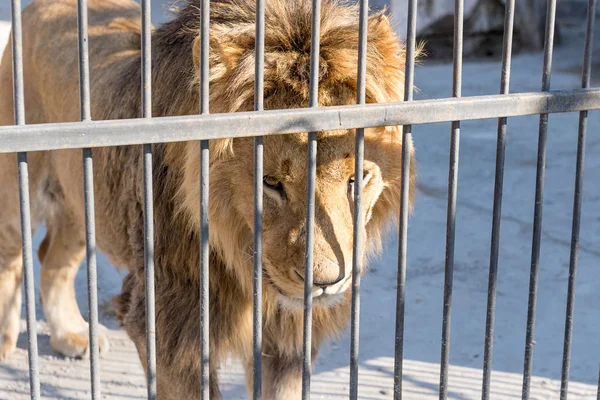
(121, 373)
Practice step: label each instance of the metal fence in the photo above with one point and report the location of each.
(147, 130)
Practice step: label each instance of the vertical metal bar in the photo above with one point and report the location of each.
(34, 379)
(357, 253)
(539, 201)
(577, 198)
(149, 272)
(598, 394)
(84, 61)
(204, 176)
(497, 211)
(259, 88)
(88, 190)
(452, 184)
(148, 204)
(411, 34)
(310, 201)
(19, 105)
(90, 240)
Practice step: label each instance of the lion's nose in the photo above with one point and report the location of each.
(327, 273)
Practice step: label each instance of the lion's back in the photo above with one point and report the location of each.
(50, 55)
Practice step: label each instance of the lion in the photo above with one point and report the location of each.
(50, 60)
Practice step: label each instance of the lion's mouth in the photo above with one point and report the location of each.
(319, 296)
(322, 300)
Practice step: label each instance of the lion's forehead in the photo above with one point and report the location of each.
(288, 156)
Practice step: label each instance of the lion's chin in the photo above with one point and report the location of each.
(323, 300)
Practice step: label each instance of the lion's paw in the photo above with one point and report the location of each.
(8, 344)
(75, 344)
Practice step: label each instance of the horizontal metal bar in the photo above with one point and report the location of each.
(212, 126)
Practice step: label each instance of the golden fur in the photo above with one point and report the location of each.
(51, 94)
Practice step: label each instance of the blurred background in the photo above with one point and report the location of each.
(122, 376)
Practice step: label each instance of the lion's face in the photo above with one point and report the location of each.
(285, 211)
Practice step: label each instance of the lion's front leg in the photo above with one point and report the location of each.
(281, 377)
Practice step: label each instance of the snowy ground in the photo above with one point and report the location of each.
(122, 376)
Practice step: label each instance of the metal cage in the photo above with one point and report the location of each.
(88, 134)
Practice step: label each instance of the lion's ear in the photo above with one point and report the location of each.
(379, 22)
(386, 60)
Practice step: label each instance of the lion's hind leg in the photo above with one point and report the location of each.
(61, 253)
(11, 262)
(11, 269)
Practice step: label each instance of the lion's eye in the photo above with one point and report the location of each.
(351, 182)
(271, 182)
(274, 184)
